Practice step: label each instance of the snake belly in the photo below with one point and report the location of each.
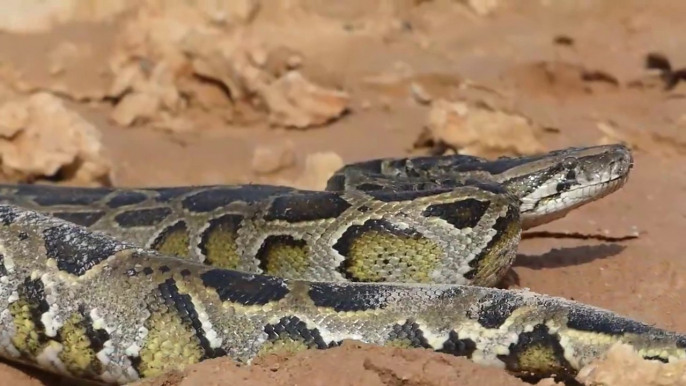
(121, 284)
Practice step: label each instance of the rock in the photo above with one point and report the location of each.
(41, 138)
(22, 16)
(272, 159)
(482, 7)
(149, 97)
(295, 102)
(319, 167)
(63, 56)
(419, 93)
(165, 48)
(136, 107)
(611, 370)
(476, 129)
(234, 11)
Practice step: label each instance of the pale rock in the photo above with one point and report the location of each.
(611, 370)
(272, 159)
(42, 137)
(476, 129)
(295, 102)
(319, 167)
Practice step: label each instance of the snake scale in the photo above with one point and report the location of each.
(116, 285)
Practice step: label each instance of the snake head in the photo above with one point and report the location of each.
(551, 185)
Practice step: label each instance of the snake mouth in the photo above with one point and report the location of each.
(597, 190)
(556, 205)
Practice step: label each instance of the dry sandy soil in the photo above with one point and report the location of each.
(284, 93)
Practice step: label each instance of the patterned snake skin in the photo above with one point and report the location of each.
(115, 285)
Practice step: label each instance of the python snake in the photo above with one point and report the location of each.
(115, 285)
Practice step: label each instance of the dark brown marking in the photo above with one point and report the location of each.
(7, 215)
(85, 219)
(460, 214)
(142, 217)
(245, 289)
(3, 269)
(336, 183)
(173, 240)
(364, 209)
(537, 354)
(458, 347)
(564, 186)
(209, 200)
(656, 358)
(585, 319)
(374, 166)
(148, 271)
(268, 254)
(46, 195)
(290, 327)
(165, 195)
(34, 292)
(345, 298)
(185, 308)
(563, 40)
(410, 332)
(495, 308)
(76, 250)
(338, 180)
(126, 198)
(369, 187)
(310, 206)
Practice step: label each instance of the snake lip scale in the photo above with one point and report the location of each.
(116, 285)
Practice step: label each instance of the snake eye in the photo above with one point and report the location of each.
(570, 163)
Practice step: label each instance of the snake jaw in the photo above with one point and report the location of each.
(542, 210)
(575, 178)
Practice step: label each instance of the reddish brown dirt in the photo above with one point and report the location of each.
(513, 52)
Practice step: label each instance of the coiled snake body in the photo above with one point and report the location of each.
(115, 285)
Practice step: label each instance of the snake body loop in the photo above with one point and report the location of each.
(115, 285)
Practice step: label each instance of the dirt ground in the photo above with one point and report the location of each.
(285, 92)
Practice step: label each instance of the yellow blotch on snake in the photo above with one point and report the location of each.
(173, 241)
(374, 256)
(282, 346)
(218, 242)
(541, 357)
(77, 353)
(283, 255)
(170, 343)
(26, 339)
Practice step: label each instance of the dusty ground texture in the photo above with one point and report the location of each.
(285, 92)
